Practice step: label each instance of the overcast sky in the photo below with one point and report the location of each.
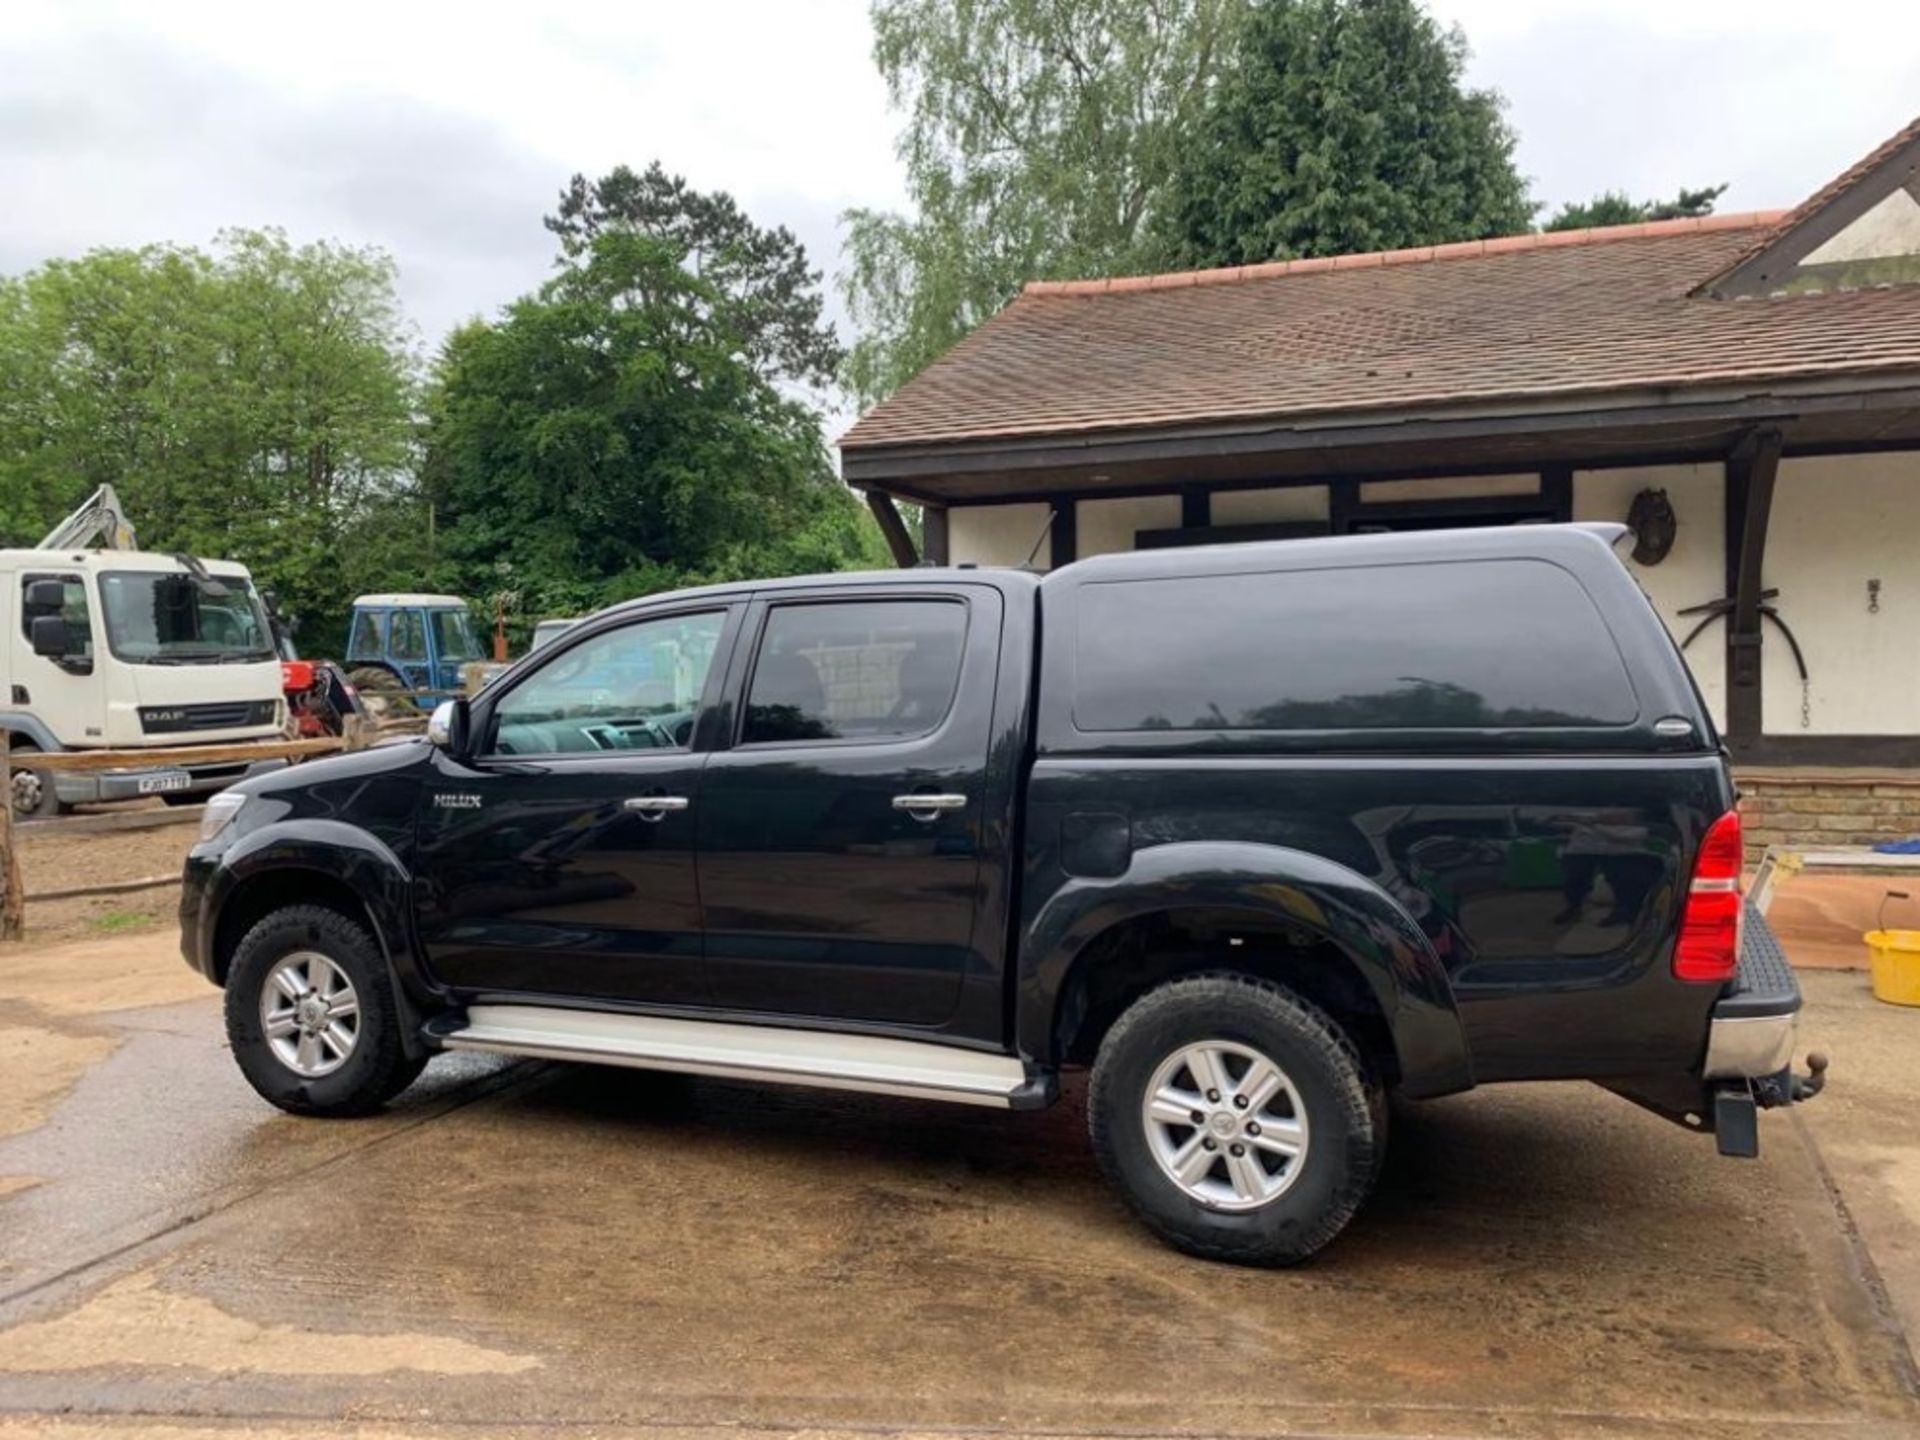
(443, 132)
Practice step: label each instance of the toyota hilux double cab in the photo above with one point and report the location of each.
(1259, 835)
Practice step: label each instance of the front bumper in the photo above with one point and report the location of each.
(90, 787)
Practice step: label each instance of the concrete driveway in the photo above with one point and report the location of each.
(528, 1245)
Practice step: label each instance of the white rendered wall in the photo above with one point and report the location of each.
(1269, 507)
(996, 534)
(1839, 521)
(1693, 572)
(1106, 526)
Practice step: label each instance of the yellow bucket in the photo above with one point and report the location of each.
(1896, 965)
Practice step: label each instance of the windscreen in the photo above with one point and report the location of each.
(170, 617)
(453, 635)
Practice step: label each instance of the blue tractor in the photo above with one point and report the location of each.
(412, 643)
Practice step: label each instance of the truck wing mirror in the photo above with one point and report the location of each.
(447, 730)
(51, 637)
(46, 597)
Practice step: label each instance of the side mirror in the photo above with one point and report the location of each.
(46, 597)
(51, 637)
(447, 730)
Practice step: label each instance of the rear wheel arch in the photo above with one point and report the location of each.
(1137, 955)
(1303, 920)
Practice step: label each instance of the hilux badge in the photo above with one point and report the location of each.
(452, 801)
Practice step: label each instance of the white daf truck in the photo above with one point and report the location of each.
(123, 649)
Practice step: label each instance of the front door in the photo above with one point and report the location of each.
(559, 858)
(840, 835)
(66, 693)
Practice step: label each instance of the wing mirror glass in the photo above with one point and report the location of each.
(447, 729)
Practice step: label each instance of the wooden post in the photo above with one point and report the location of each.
(893, 529)
(933, 534)
(1750, 479)
(13, 900)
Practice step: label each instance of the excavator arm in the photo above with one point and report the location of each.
(99, 520)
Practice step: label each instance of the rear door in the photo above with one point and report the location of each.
(841, 832)
(558, 859)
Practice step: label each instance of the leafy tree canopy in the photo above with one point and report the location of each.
(1613, 207)
(1039, 135)
(1340, 126)
(255, 402)
(759, 278)
(607, 438)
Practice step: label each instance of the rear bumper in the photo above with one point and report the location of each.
(1753, 1027)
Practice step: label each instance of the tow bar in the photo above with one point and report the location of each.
(1736, 1108)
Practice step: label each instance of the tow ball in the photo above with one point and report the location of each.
(1736, 1108)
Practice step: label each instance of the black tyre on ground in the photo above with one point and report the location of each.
(30, 792)
(1235, 1119)
(311, 1015)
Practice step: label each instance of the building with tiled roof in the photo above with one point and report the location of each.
(1744, 388)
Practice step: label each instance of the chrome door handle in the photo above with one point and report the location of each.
(928, 807)
(654, 807)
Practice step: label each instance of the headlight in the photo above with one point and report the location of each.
(219, 813)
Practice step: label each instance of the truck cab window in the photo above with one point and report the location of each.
(159, 617)
(635, 688)
(880, 670)
(73, 609)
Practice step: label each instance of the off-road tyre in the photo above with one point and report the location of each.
(1344, 1107)
(377, 1067)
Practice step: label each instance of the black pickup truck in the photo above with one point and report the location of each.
(1260, 834)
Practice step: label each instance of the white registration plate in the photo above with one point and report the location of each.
(161, 784)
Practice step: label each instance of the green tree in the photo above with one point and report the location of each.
(761, 278)
(607, 438)
(1613, 207)
(1341, 126)
(251, 403)
(1039, 136)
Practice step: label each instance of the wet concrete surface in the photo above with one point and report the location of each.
(529, 1245)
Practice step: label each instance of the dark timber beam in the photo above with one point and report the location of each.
(1065, 532)
(1775, 264)
(1196, 507)
(894, 529)
(933, 534)
(1751, 471)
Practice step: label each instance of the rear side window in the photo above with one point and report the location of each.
(871, 670)
(1463, 645)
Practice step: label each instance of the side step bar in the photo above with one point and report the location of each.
(750, 1052)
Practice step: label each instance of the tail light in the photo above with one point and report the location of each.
(1709, 947)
